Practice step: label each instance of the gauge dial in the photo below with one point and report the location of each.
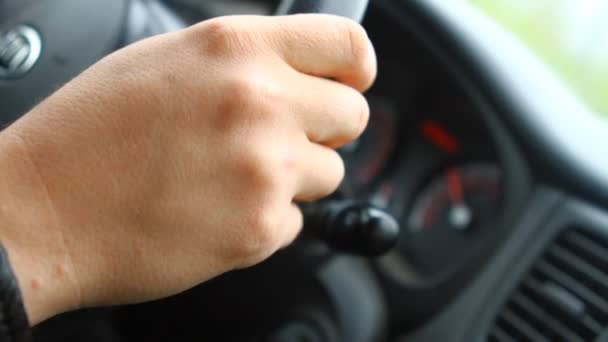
(448, 217)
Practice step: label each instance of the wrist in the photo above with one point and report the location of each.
(14, 324)
(32, 236)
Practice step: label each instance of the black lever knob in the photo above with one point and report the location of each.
(356, 228)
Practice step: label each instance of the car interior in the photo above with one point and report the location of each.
(479, 189)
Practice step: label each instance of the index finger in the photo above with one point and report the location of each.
(326, 46)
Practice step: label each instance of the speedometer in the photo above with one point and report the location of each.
(447, 219)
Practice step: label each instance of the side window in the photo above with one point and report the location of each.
(569, 35)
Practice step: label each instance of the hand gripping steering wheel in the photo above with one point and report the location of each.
(43, 44)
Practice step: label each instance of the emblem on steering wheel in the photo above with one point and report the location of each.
(20, 49)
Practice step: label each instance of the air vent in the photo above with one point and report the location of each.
(564, 297)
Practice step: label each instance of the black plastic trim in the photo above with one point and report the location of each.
(574, 213)
(354, 9)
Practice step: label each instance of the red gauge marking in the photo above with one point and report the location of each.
(383, 126)
(387, 190)
(454, 183)
(439, 136)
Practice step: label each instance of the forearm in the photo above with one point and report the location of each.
(30, 236)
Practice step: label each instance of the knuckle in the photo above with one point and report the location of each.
(249, 99)
(262, 225)
(332, 174)
(356, 38)
(259, 168)
(221, 36)
(238, 102)
(242, 92)
(260, 234)
(360, 56)
(253, 89)
(264, 90)
(354, 116)
(336, 173)
(363, 113)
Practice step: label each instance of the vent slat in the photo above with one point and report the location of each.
(573, 284)
(500, 335)
(577, 320)
(545, 318)
(593, 325)
(584, 243)
(595, 274)
(564, 295)
(525, 329)
(556, 296)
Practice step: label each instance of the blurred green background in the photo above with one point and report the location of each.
(569, 35)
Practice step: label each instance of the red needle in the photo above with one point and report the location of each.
(454, 183)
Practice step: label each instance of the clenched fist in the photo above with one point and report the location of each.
(179, 158)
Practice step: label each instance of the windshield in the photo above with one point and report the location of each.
(569, 35)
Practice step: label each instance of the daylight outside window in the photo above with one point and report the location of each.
(569, 35)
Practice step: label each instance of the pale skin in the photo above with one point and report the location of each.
(179, 158)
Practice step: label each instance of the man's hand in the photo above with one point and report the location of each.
(179, 158)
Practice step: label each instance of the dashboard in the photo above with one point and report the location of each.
(455, 179)
(474, 150)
